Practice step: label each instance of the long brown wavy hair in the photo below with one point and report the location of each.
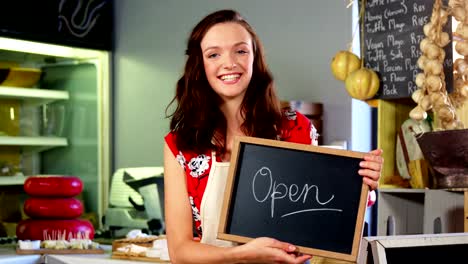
(197, 121)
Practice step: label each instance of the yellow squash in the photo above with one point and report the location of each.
(362, 84)
(343, 63)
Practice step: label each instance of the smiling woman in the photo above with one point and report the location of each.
(225, 91)
(227, 58)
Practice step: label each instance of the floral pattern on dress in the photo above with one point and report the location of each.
(289, 123)
(181, 159)
(314, 135)
(290, 114)
(195, 212)
(199, 165)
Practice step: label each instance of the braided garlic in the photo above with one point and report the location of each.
(459, 10)
(432, 93)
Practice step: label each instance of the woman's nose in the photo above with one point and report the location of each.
(229, 63)
(232, 65)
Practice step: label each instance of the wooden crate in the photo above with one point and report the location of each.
(466, 212)
(462, 114)
(391, 115)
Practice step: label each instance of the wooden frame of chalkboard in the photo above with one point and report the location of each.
(312, 197)
(427, 248)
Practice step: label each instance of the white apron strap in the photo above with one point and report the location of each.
(212, 201)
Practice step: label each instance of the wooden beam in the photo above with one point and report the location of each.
(465, 220)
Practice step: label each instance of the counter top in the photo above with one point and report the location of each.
(95, 259)
(8, 256)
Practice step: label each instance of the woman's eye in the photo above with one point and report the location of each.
(213, 55)
(242, 52)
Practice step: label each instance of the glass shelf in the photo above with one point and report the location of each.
(12, 180)
(33, 144)
(33, 96)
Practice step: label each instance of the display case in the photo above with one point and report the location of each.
(404, 210)
(63, 122)
(419, 211)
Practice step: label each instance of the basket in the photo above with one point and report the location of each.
(447, 153)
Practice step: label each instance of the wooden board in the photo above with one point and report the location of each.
(465, 221)
(125, 257)
(326, 222)
(391, 115)
(43, 251)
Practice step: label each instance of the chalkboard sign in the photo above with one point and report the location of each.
(392, 32)
(309, 196)
(86, 24)
(427, 248)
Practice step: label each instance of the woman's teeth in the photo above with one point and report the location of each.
(230, 77)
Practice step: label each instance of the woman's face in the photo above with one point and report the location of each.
(228, 59)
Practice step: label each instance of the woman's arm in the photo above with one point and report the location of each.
(178, 214)
(179, 232)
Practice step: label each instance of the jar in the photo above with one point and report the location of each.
(9, 117)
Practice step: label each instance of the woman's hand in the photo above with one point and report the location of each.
(269, 250)
(371, 167)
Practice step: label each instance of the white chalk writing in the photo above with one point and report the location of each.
(411, 87)
(392, 24)
(372, 3)
(395, 78)
(401, 10)
(415, 39)
(371, 45)
(389, 90)
(419, 21)
(418, 8)
(391, 41)
(393, 31)
(391, 68)
(279, 191)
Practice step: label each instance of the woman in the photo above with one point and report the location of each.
(226, 91)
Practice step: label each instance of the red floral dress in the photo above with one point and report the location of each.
(295, 128)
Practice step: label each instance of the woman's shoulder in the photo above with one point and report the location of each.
(171, 139)
(196, 164)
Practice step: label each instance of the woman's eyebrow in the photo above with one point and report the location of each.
(210, 48)
(241, 43)
(217, 47)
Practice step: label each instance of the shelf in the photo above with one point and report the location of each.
(32, 96)
(12, 180)
(401, 190)
(419, 211)
(34, 144)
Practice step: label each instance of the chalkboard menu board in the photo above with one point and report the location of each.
(309, 196)
(86, 24)
(392, 31)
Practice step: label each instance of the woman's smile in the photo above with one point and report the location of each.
(231, 78)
